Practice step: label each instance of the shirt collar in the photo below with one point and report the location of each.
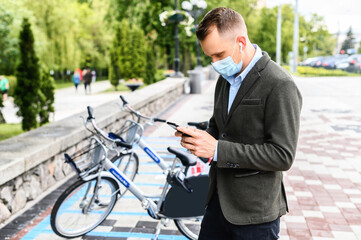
(244, 73)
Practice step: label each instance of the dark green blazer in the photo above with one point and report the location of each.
(260, 134)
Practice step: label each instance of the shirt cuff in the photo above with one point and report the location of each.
(215, 153)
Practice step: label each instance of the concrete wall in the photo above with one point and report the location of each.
(32, 162)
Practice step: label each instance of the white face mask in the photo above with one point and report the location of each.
(227, 67)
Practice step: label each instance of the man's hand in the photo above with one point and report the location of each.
(200, 143)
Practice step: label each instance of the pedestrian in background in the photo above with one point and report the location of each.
(252, 135)
(94, 76)
(87, 77)
(76, 80)
(4, 87)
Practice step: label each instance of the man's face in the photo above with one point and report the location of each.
(219, 47)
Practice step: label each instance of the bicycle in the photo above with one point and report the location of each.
(85, 205)
(143, 145)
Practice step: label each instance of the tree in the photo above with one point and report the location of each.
(46, 96)
(359, 49)
(150, 69)
(349, 41)
(28, 79)
(8, 51)
(125, 53)
(138, 52)
(2, 119)
(34, 92)
(114, 60)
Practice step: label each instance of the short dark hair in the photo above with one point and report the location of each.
(225, 19)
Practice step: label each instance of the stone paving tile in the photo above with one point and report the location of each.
(323, 185)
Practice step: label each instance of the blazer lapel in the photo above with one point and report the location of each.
(247, 84)
(225, 100)
(251, 78)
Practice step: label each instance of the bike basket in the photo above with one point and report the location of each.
(87, 159)
(131, 131)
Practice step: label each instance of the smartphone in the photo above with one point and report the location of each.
(174, 126)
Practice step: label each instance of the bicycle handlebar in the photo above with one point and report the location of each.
(117, 141)
(138, 114)
(90, 112)
(123, 99)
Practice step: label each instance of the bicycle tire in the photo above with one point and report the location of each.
(72, 209)
(123, 162)
(189, 227)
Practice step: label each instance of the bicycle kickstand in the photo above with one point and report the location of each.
(163, 222)
(159, 226)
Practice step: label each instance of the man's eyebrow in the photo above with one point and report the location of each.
(217, 53)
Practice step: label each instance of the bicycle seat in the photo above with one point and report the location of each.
(187, 159)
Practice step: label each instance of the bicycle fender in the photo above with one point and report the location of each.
(103, 174)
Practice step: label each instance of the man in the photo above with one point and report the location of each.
(4, 87)
(252, 135)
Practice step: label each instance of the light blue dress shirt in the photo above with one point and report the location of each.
(236, 82)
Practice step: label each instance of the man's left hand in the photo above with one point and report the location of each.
(199, 143)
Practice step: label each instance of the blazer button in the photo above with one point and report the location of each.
(224, 135)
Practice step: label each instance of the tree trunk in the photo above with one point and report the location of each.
(2, 119)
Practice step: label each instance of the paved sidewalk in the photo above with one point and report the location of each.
(68, 101)
(323, 185)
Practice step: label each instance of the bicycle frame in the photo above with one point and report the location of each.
(201, 167)
(145, 200)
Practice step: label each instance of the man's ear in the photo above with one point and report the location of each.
(242, 41)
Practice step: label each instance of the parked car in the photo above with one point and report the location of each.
(354, 64)
(331, 61)
(350, 64)
(309, 61)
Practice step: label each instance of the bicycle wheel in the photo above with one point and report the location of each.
(77, 212)
(128, 163)
(189, 227)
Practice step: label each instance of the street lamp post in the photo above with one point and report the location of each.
(177, 73)
(295, 39)
(195, 8)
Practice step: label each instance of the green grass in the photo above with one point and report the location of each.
(9, 130)
(121, 88)
(320, 72)
(60, 85)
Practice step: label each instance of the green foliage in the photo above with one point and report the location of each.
(46, 96)
(159, 75)
(77, 34)
(12, 85)
(1, 105)
(28, 79)
(113, 72)
(124, 50)
(69, 34)
(348, 43)
(150, 70)
(316, 37)
(128, 53)
(319, 72)
(8, 50)
(138, 53)
(359, 49)
(34, 91)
